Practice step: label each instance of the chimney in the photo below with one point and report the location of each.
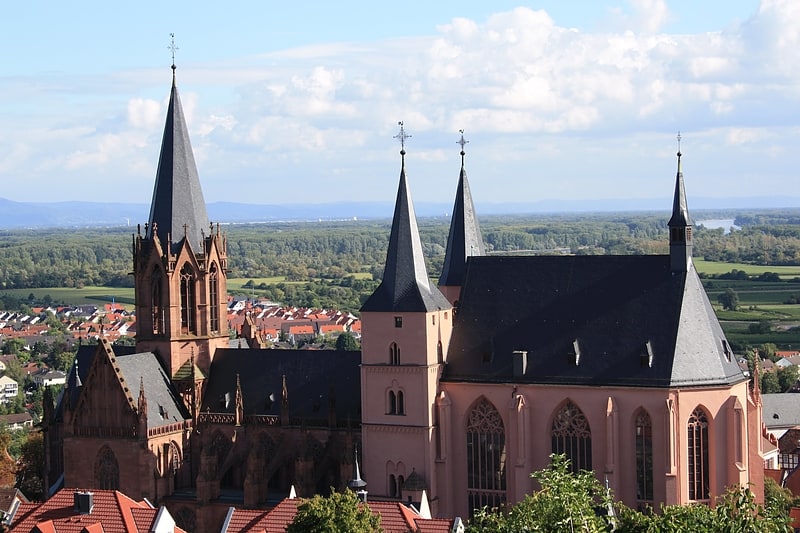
(83, 502)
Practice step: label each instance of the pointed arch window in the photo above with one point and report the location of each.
(392, 486)
(106, 469)
(394, 354)
(213, 297)
(698, 455)
(572, 436)
(486, 457)
(396, 402)
(644, 457)
(392, 403)
(157, 301)
(188, 318)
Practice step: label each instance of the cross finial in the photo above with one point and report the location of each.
(402, 136)
(172, 48)
(679, 144)
(463, 142)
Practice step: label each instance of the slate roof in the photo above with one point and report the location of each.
(177, 196)
(310, 374)
(464, 239)
(405, 286)
(613, 310)
(781, 410)
(164, 405)
(159, 391)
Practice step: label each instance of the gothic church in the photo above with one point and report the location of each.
(460, 390)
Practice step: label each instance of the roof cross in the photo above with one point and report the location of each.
(463, 142)
(172, 48)
(679, 144)
(402, 136)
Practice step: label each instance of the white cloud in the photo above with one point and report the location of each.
(144, 113)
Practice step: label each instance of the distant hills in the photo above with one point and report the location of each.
(82, 214)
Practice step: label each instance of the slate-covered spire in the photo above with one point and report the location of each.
(680, 224)
(405, 285)
(178, 208)
(465, 237)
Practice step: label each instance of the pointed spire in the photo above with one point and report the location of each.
(177, 197)
(239, 416)
(680, 224)
(405, 285)
(464, 239)
(284, 402)
(357, 484)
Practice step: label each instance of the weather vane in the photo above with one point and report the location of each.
(402, 136)
(462, 141)
(172, 48)
(679, 144)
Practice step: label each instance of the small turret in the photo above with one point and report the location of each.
(680, 225)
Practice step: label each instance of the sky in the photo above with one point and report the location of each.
(298, 102)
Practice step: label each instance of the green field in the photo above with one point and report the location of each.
(714, 267)
(82, 296)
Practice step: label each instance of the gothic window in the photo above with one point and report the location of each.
(698, 455)
(396, 403)
(486, 457)
(572, 437)
(392, 403)
(439, 352)
(644, 457)
(106, 469)
(213, 297)
(392, 486)
(401, 407)
(174, 459)
(394, 354)
(157, 302)
(188, 319)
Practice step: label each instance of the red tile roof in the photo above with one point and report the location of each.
(113, 512)
(395, 518)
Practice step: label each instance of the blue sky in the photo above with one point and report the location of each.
(298, 101)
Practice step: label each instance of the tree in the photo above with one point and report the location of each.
(787, 377)
(566, 502)
(729, 299)
(345, 342)
(770, 383)
(337, 513)
(30, 473)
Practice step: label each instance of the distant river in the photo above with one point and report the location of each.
(724, 223)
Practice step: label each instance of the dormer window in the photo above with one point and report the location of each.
(726, 350)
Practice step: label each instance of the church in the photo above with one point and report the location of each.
(460, 391)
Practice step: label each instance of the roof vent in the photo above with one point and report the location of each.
(574, 353)
(83, 502)
(646, 357)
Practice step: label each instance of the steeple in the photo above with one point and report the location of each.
(465, 237)
(178, 209)
(405, 285)
(680, 225)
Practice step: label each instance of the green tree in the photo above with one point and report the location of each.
(30, 471)
(567, 502)
(729, 299)
(770, 383)
(787, 377)
(337, 513)
(345, 342)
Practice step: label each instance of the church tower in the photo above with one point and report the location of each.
(464, 239)
(407, 324)
(180, 262)
(680, 225)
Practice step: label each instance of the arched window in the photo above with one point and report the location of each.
(392, 403)
(486, 457)
(439, 352)
(156, 301)
(394, 354)
(401, 404)
(213, 297)
(644, 457)
(188, 321)
(392, 486)
(174, 458)
(698, 455)
(106, 469)
(572, 436)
